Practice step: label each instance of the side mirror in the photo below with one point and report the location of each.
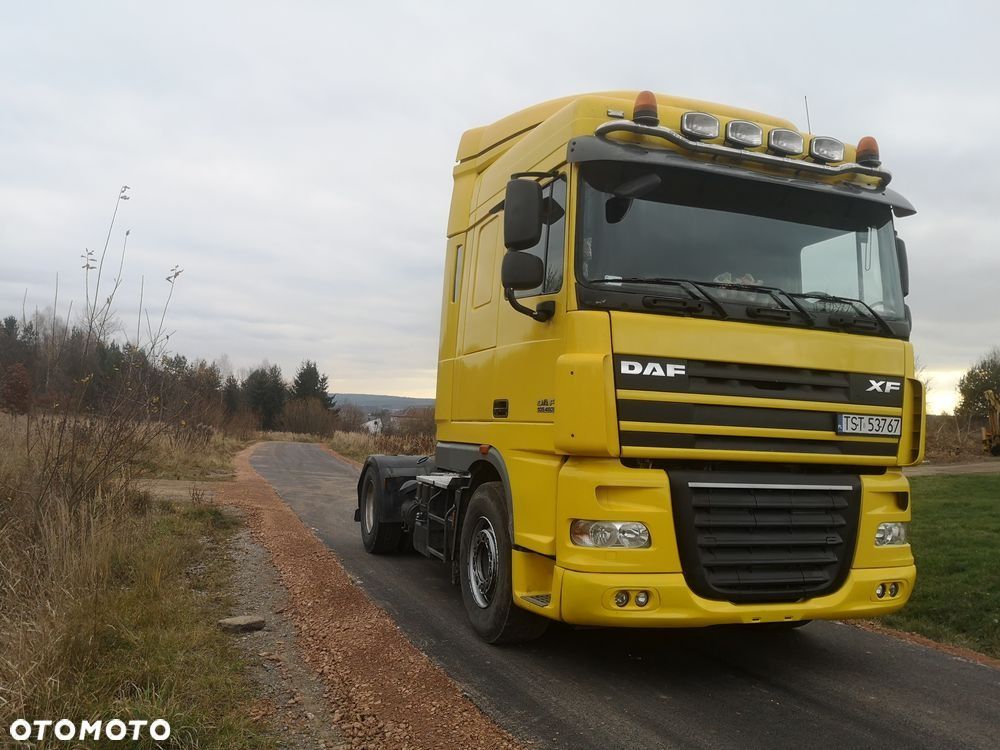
(521, 271)
(904, 266)
(522, 217)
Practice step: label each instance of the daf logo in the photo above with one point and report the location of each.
(668, 370)
(883, 386)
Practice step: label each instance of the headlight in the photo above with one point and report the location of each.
(785, 142)
(822, 148)
(699, 125)
(744, 133)
(631, 534)
(890, 533)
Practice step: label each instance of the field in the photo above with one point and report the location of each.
(956, 540)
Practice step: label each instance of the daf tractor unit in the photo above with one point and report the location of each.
(675, 386)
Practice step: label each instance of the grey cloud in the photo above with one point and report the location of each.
(296, 159)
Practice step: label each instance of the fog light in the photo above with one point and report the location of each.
(785, 142)
(744, 133)
(893, 589)
(880, 591)
(629, 534)
(621, 598)
(891, 533)
(699, 125)
(822, 148)
(642, 599)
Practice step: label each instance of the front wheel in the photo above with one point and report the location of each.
(485, 571)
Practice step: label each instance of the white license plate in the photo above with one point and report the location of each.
(865, 424)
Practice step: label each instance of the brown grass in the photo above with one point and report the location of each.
(98, 614)
(360, 445)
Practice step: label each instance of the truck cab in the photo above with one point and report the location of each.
(675, 385)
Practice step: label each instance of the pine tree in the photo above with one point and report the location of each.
(264, 391)
(309, 383)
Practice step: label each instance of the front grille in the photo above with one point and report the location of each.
(758, 537)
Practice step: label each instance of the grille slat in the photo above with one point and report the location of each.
(743, 542)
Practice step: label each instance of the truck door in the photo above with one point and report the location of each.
(526, 349)
(472, 398)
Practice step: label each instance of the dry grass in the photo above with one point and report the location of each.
(360, 445)
(98, 613)
(191, 454)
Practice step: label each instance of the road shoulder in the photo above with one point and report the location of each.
(383, 691)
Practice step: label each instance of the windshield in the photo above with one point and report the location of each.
(640, 223)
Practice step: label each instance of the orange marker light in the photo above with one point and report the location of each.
(867, 153)
(645, 112)
(484, 449)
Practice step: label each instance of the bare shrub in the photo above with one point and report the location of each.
(308, 416)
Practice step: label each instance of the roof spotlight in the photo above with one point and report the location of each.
(699, 125)
(824, 149)
(744, 133)
(785, 142)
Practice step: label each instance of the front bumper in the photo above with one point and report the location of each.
(588, 599)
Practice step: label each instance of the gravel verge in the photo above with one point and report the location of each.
(382, 691)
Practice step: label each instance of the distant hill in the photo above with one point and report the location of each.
(369, 402)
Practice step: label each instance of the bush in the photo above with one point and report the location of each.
(16, 393)
(984, 375)
(308, 416)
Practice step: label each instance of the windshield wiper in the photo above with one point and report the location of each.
(686, 284)
(772, 291)
(853, 303)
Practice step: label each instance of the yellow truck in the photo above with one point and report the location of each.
(675, 386)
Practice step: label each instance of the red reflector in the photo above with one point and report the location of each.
(484, 449)
(645, 112)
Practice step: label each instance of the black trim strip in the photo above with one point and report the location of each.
(519, 548)
(730, 416)
(663, 374)
(635, 439)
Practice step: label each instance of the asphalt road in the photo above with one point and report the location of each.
(825, 685)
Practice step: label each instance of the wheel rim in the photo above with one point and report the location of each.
(369, 507)
(482, 562)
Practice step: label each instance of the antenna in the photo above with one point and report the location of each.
(809, 126)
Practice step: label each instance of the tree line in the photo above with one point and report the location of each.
(44, 361)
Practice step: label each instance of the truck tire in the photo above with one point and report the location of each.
(485, 571)
(379, 538)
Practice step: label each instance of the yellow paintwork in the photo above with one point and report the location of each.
(567, 463)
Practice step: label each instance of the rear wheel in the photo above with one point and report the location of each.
(378, 537)
(485, 571)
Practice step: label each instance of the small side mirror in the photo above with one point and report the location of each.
(522, 217)
(521, 271)
(904, 266)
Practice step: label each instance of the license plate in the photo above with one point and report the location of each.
(865, 424)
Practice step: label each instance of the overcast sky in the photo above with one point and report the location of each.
(295, 158)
